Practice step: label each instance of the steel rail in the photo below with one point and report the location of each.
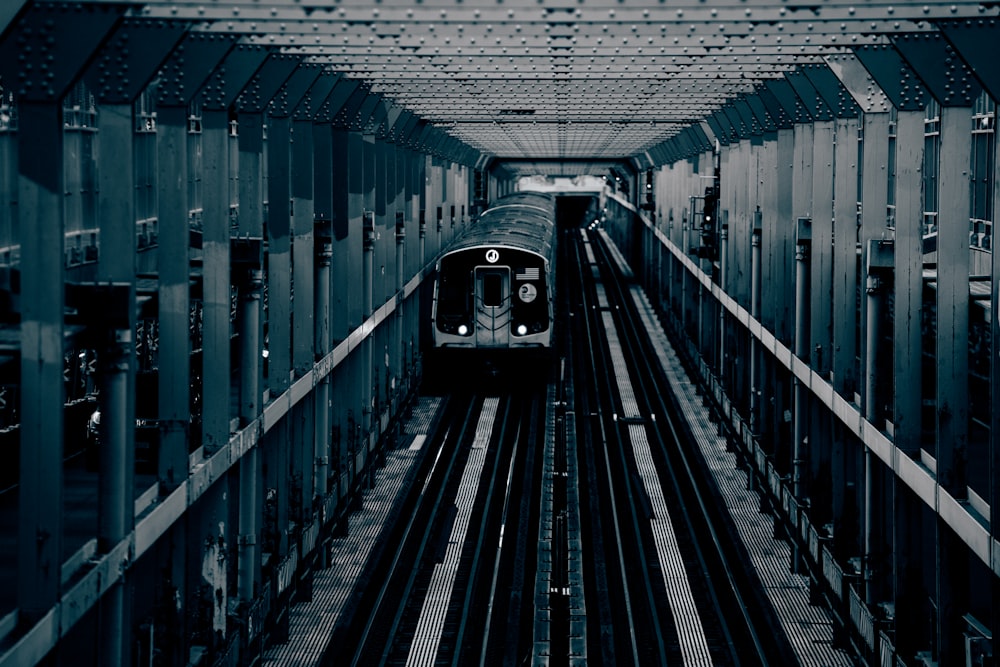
(653, 390)
(359, 652)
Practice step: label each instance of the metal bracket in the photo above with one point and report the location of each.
(813, 106)
(53, 43)
(831, 90)
(938, 65)
(189, 66)
(893, 75)
(312, 103)
(976, 41)
(265, 84)
(229, 79)
(295, 88)
(780, 100)
(343, 88)
(130, 58)
(859, 84)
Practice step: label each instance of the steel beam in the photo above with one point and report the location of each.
(943, 73)
(975, 41)
(894, 76)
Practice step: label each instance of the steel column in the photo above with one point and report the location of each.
(878, 263)
(40, 488)
(952, 356)
(908, 283)
(803, 252)
(907, 346)
(324, 253)
(251, 226)
(953, 300)
(216, 281)
(755, 352)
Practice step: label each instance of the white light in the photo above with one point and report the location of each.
(462, 329)
(521, 330)
(264, 354)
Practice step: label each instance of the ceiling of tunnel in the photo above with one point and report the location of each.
(582, 82)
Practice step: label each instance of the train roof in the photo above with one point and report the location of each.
(524, 220)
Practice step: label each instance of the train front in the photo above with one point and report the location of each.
(492, 298)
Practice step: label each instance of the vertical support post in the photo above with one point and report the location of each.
(40, 204)
(908, 280)
(907, 346)
(324, 254)
(952, 344)
(801, 428)
(216, 276)
(113, 521)
(953, 301)
(369, 191)
(401, 307)
(116, 205)
(845, 238)
(174, 296)
(875, 251)
(251, 147)
(820, 353)
(250, 350)
(723, 264)
(303, 314)
(279, 315)
(303, 223)
(685, 274)
(366, 295)
(755, 275)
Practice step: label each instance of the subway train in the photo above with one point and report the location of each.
(494, 287)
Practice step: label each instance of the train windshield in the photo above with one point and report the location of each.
(453, 293)
(492, 290)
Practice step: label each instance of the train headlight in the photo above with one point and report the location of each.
(462, 329)
(521, 330)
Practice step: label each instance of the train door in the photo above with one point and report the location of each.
(492, 306)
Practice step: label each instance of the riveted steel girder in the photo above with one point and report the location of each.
(298, 84)
(739, 128)
(894, 76)
(976, 42)
(564, 21)
(782, 103)
(939, 66)
(813, 104)
(335, 101)
(309, 108)
(831, 90)
(867, 94)
(723, 126)
(232, 76)
(130, 57)
(349, 109)
(189, 65)
(266, 83)
(48, 46)
(751, 125)
(366, 114)
(760, 112)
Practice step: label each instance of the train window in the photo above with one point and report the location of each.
(453, 294)
(492, 290)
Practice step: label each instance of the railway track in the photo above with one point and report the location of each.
(664, 585)
(562, 522)
(447, 587)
